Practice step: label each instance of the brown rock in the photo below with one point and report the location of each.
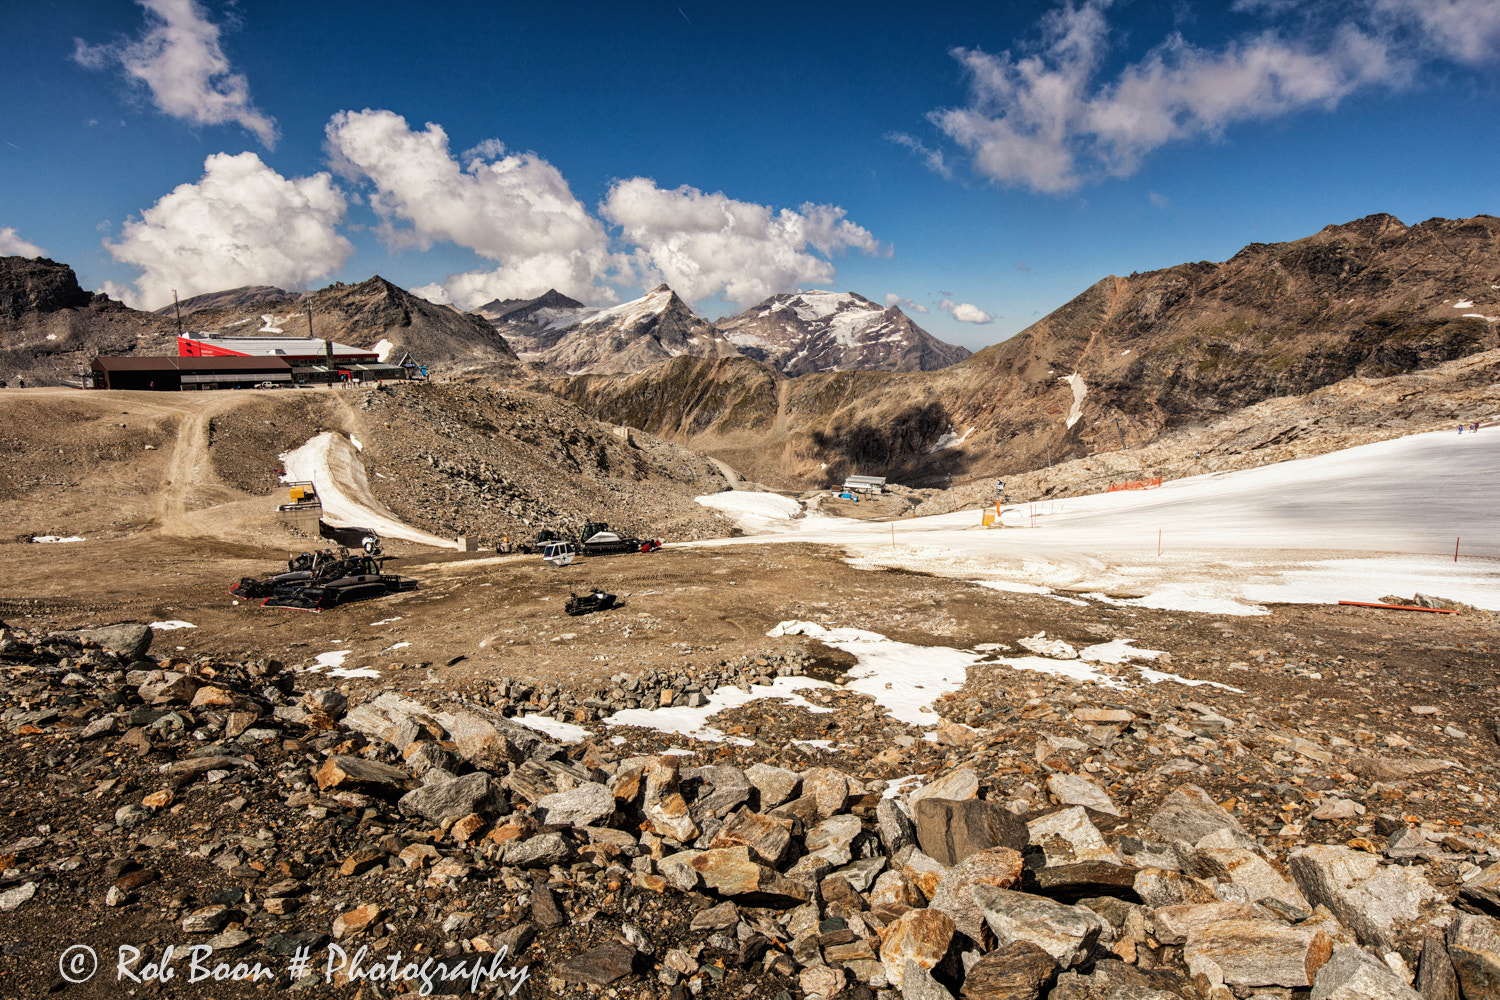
(769, 839)
(464, 830)
(159, 800)
(355, 920)
(921, 936)
(1436, 977)
(950, 830)
(346, 772)
(1019, 971)
(362, 861)
(733, 872)
(212, 697)
(1251, 953)
(600, 966)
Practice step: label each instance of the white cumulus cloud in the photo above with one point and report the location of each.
(11, 245)
(179, 59)
(710, 244)
(241, 224)
(965, 312)
(516, 209)
(1042, 120)
(892, 299)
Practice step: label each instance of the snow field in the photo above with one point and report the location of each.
(331, 463)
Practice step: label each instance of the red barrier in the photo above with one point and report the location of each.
(1139, 484)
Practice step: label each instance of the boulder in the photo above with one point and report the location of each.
(450, 801)
(720, 790)
(341, 771)
(541, 851)
(1067, 933)
(960, 784)
(665, 809)
(1353, 975)
(951, 830)
(1190, 814)
(769, 840)
(600, 966)
(1159, 887)
(774, 784)
(1173, 924)
(896, 827)
(731, 871)
(583, 805)
(1249, 953)
(1068, 836)
(1072, 790)
(1436, 977)
(921, 937)
(1018, 971)
(129, 641)
(828, 787)
(1380, 904)
(1245, 877)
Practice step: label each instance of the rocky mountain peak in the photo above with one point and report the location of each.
(37, 286)
(821, 330)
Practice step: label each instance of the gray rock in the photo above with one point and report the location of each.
(1246, 877)
(12, 898)
(722, 789)
(896, 828)
(451, 800)
(1249, 953)
(1474, 947)
(862, 872)
(1353, 975)
(716, 918)
(1067, 933)
(833, 838)
(957, 785)
(775, 784)
(1380, 904)
(1190, 814)
(584, 805)
(678, 872)
(917, 984)
(128, 641)
(949, 831)
(541, 851)
(1072, 790)
(1436, 977)
(600, 966)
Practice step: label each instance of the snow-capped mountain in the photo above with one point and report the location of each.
(823, 331)
(625, 338)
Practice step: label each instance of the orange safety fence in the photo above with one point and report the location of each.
(1139, 484)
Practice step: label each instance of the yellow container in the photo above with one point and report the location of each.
(297, 494)
(989, 519)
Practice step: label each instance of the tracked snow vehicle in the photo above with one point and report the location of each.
(317, 580)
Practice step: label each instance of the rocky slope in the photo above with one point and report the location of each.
(832, 331)
(49, 326)
(556, 330)
(1151, 352)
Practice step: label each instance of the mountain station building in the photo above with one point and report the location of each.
(211, 361)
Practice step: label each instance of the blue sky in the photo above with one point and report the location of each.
(984, 163)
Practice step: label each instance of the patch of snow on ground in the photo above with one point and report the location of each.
(330, 462)
(1116, 651)
(383, 350)
(694, 721)
(392, 649)
(56, 538)
(754, 512)
(903, 679)
(387, 621)
(329, 661)
(1075, 381)
(564, 731)
(356, 442)
(354, 672)
(169, 626)
(1463, 304)
(950, 440)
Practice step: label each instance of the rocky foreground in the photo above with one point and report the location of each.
(397, 846)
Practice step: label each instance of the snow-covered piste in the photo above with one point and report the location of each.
(332, 464)
(1358, 525)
